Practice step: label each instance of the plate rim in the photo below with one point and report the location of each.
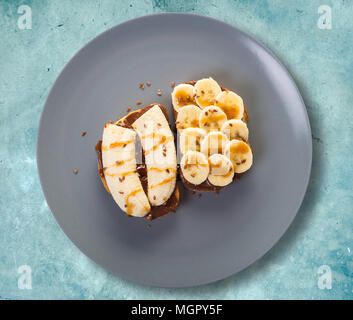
(258, 43)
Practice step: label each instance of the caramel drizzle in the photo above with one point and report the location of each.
(119, 173)
(228, 174)
(186, 165)
(116, 144)
(162, 182)
(213, 119)
(117, 163)
(162, 139)
(161, 170)
(130, 206)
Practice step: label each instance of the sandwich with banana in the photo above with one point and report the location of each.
(213, 135)
(137, 163)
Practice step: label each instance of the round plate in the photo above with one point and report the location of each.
(208, 238)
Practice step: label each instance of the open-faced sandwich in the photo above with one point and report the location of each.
(142, 182)
(214, 137)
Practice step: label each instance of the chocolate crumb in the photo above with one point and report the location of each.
(121, 192)
(75, 171)
(231, 125)
(154, 198)
(202, 91)
(83, 133)
(167, 170)
(159, 124)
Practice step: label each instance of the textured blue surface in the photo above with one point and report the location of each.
(321, 62)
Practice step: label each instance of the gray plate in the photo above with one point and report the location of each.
(209, 238)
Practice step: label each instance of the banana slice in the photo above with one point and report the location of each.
(183, 95)
(119, 167)
(240, 154)
(160, 157)
(221, 170)
(190, 139)
(194, 166)
(219, 164)
(188, 116)
(214, 142)
(212, 118)
(236, 129)
(231, 104)
(206, 91)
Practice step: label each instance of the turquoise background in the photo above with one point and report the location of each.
(321, 62)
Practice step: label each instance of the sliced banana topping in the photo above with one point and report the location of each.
(221, 170)
(236, 129)
(160, 157)
(214, 142)
(195, 167)
(188, 117)
(183, 95)
(219, 164)
(119, 167)
(190, 139)
(231, 104)
(206, 91)
(221, 133)
(240, 154)
(212, 118)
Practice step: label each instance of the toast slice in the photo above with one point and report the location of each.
(213, 135)
(137, 163)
